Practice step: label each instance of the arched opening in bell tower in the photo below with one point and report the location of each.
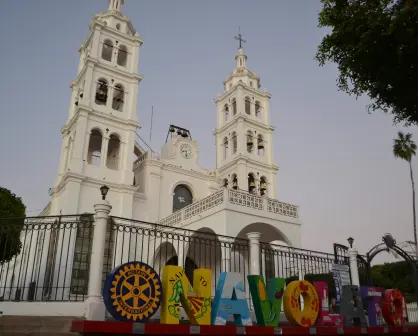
(94, 153)
(234, 106)
(257, 110)
(113, 149)
(250, 141)
(234, 141)
(226, 112)
(260, 145)
(234, 182)
(122, 55)
(225, 183)
(226, 147)
(263, 186)
(101, 92)
(107, 50)
(247, 105)
(251, 183)
(118, 98)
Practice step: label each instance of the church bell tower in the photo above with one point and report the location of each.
(244, 149)
(100, 132)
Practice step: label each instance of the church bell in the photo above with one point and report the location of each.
(179, 132)
(260, 144)
(249, 140)
(172, 130)
(101, 95)
(252, 185)
(263, 186)
(235, 184)
(184, 134)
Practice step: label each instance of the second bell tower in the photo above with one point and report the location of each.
(244, 151)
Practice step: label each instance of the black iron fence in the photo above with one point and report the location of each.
(48, 258)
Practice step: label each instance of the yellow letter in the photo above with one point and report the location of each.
(196, 302)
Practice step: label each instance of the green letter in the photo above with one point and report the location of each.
(266, 304)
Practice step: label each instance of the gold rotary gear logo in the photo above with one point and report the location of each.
(135, 291)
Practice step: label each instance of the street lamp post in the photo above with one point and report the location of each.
(352, 255)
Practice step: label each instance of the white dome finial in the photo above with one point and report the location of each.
(116, 5)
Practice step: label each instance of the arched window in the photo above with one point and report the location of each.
(247, 105)
(251, 183)
(260, 145)
(263, 186)
(226, 111)
(182, 197)
(113, 149)
(226, 148)
(234, 182)
(118, 97)
(250, 141)
(107, 50)
(234, 141)
(101, 92)
(234, 106)
(257, 110)
(122, 55)
(95, 148)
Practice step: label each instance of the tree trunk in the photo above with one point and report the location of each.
(413, 209)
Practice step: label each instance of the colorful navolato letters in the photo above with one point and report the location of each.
(134, 292)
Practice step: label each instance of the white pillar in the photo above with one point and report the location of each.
(352, 254)
(254, 242)
(95, 309)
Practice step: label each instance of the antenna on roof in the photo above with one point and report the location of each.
(150, 130)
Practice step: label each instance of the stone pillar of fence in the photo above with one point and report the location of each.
(95, 309)
(254, 243)
(352, 254)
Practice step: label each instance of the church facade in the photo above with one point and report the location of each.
(236, 199)
(100, 138)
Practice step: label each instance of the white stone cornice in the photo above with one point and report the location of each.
(131, 38)
(79, 77)
(70, 176)
(242, 159)
(83, 110)
(179, 170)
(122, 73)
(241, 118)
(113, 118)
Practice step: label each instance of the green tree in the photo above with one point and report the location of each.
(12, 213)
(374, 43)
(395, 275)
(405, 148)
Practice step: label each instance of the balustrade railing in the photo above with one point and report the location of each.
(150, 155)
(228, 196)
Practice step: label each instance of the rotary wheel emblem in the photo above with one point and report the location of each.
(132, 292)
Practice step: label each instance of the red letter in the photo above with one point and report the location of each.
(324, 317)
(394, 307)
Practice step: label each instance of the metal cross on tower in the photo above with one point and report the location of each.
(239, 38)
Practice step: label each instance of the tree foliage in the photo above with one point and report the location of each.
(404, 147)
(394, 275)
(12, 213)
(374, 43)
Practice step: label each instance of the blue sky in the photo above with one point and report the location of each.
(335, 159)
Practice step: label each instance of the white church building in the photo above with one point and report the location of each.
(99, 140)
(100, 146)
